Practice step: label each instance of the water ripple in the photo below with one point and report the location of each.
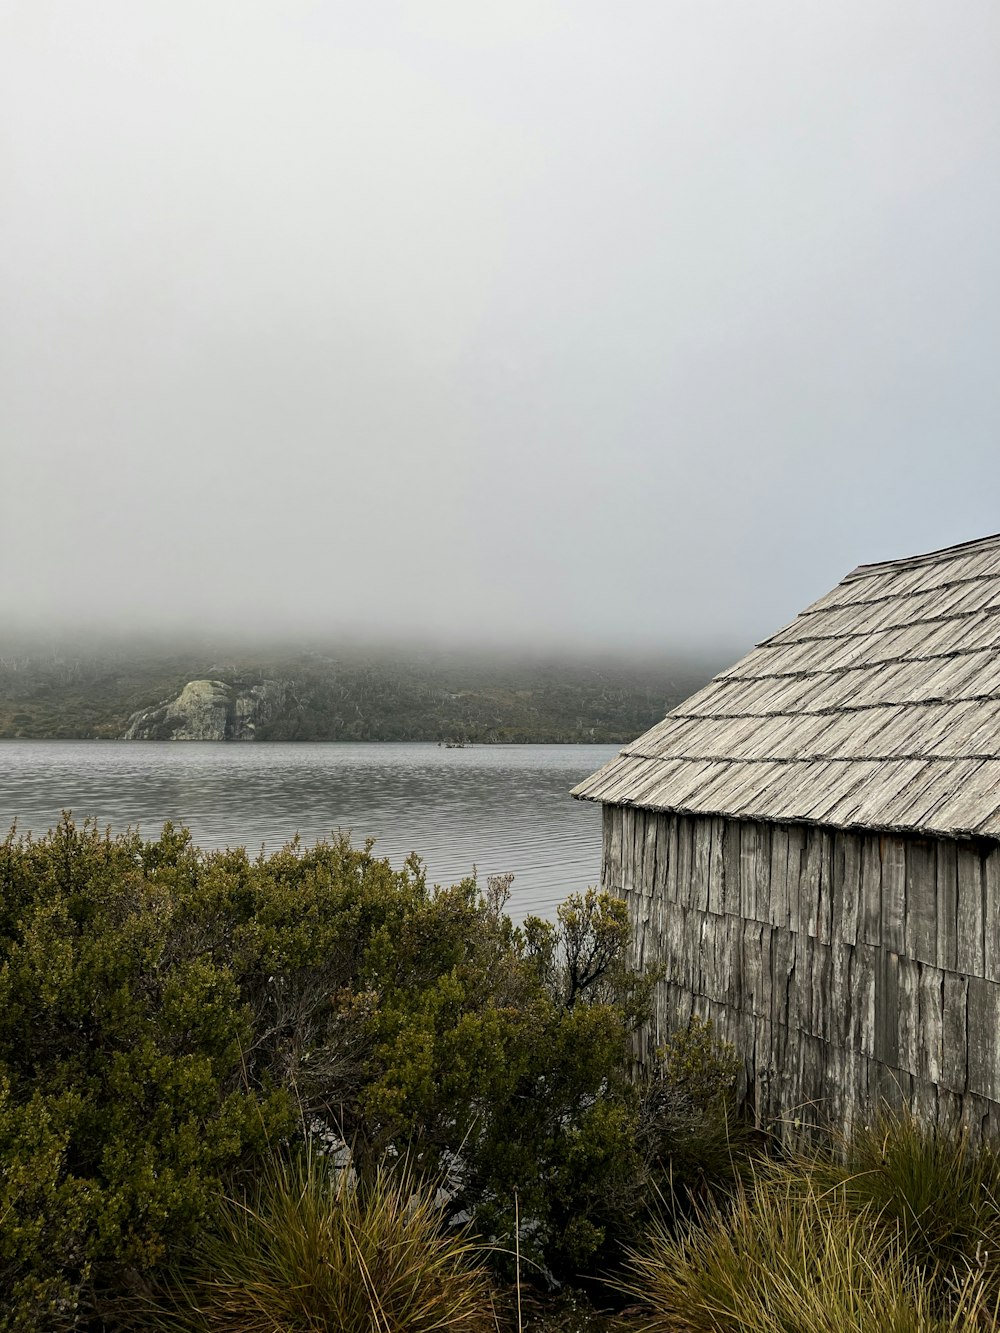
(499, 808)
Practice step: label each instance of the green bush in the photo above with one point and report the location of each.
(699, 1142)
(505, 1055)
(312, 1247)
(124, 1097)
(169, 1018)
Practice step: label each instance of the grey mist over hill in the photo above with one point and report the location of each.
(524, 325)
(237, 691)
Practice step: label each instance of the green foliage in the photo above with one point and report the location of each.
(784, 1258)
(169, 1018)
(156, 1007)
(124, 1096)
(312, 1247)
(700, 1067)
(699, 1142)
(506, 1054)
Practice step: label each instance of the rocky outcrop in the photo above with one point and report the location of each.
(210, 710)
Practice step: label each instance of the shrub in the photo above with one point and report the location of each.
(166, 1017)
(315, 1248)
(169, 1017)
(505, 1056)
(123, 1095)
(698, 1142)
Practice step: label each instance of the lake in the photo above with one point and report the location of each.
(497, 807)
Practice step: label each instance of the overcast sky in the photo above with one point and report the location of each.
(583, 323)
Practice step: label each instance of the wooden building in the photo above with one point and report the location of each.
(811, 843)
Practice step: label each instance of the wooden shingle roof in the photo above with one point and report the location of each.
(878, 707)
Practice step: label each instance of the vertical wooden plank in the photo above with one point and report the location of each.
(685, 863)
(695, 945)
(975, 1117)
(675, 886)
(931, 1023)
(752, 998)
(991, 924)
(708, 955)
(955, 1048)
(842, 956)
(983, 1034)
(821, 1007)
(700, 836)
(783, 1083)
(970, 927)
(653, 846)
(862, 1023)
(925, 1102)
(802, 983)
(949, 1109)
(766, 976)
(947, 901)
(762, 864)
(909, 1030)
(733, 989)
(778, 878)
(809, 883)
(782, 964)
(642, 876)
(748, 871)
(893, 893)
(893, 1087)
(824, 925)
(638, 839)
(921, 900)
(871, 891)
(673, 945)
(731, 859)
(644, 948)
(628, 849)
(855, 1091)
(887, 1008)
(661, 824)
(715, 832)
(608, 881)
(796, 846)
(851, 888)
(617, 830)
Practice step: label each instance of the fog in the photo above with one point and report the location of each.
(585, 325)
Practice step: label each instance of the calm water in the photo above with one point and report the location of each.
(498, 807)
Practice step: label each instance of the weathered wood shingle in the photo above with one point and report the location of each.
(878, 707)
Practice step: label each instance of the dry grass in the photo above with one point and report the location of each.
(928, 1187)
(785, 1257)
(316, 1251)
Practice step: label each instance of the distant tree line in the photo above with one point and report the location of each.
(347, 697)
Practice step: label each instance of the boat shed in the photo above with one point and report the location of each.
(811, 845)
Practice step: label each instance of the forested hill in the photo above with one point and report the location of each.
(312, 696)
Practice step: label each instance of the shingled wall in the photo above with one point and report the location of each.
(846, 967)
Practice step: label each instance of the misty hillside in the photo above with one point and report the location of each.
(317, 696)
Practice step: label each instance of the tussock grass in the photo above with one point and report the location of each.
(317, 1250)
(927, 1186)
(787, 1258)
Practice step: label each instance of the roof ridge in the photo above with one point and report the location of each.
(924, 558)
